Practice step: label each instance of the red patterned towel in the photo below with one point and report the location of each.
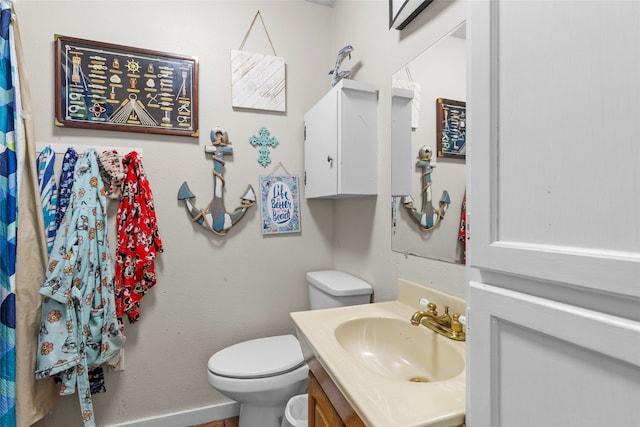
(138, 240)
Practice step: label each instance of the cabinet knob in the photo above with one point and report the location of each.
(330, 160)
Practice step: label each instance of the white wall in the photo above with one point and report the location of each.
(212, 291)
(362, 227)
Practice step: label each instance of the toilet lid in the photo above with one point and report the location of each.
(257, 358)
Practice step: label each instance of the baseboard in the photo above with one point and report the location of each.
(189, 417)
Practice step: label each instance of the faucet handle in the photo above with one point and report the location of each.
(456, 327)
(432, 309)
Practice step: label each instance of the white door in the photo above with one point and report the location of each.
(554, 213)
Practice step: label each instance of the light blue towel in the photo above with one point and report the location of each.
(48, 193)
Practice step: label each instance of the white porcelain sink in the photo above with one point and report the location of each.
(372, 352)
(395, 348)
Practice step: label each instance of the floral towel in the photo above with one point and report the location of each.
(138, 240)
(79, 329)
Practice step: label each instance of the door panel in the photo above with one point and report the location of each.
(553, 165)
(538, 362)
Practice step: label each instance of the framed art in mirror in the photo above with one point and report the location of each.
(451, 129)
(401, 12)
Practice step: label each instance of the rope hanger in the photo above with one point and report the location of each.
(278, 166)
(258, 14)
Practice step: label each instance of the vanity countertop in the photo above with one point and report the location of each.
(382, 400)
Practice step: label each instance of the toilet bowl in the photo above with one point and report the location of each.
(264, 373)
(261, 374)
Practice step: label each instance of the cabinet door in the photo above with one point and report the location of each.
(357, 139)
(321, 411)
(320, 148)
(537, 362)
(554, 158)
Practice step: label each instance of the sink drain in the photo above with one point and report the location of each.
(418, 380)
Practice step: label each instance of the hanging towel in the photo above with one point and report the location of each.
(112, 173)
(96, 375)
(66, 183)
(138, 240)
(462, 231)
(79, 329)
(48, 194)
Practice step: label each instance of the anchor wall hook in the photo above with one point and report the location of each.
(429, 216)
(214, 217)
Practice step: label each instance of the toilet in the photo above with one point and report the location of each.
(264, 373)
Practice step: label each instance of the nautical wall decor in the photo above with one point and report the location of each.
(112, 87)
(451, 128)
(258, 81)
(214, 217)
(336, 74)
(428, 217)
(280, 204)
(264, 141)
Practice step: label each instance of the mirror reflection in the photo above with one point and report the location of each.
(437, 73)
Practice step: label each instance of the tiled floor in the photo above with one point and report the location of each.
(229, 422)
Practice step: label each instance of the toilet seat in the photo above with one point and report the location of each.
(258, 358)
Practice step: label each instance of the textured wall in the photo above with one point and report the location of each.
(213, 292)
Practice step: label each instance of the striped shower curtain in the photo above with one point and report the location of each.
(9, 166)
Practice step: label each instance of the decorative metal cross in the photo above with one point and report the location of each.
(264, 140)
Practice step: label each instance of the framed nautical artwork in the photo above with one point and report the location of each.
(451, 128)
(280, 204)
(112, 87)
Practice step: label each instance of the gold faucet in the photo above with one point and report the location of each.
(442, 324)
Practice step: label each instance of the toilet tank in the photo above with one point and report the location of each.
(333, 288)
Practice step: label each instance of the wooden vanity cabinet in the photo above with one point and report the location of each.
(327, 406)
(321, 411)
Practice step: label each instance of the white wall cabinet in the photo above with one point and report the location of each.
(341, 145)
(553, 201)
(402, 163)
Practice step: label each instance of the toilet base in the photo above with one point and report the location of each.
(260, 416)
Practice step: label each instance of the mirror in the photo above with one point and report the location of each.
(438, 72)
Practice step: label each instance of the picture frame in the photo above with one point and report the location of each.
(401, 12)
(113, 87)
(451, 128)
(258, 81)
(280, 198)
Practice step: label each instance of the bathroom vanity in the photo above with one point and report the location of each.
(370, 366)
(327, 406)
